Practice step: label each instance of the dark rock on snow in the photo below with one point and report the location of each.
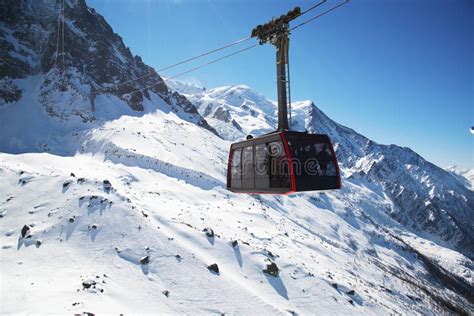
(145, 260)
(25, 231)
(272, 269)
(214, 268)
(209, 232)
(107, 185)
(88, 284)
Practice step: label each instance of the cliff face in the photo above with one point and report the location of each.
(426, 198)
(81, 63)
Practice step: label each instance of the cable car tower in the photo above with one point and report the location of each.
(277, 33)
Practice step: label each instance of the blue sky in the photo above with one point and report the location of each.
(399, 72)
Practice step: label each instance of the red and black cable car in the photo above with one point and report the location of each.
(284, 161)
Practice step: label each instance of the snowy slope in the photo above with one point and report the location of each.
(183, 87)
(317, 240)
(234, 111)
(167, 179)
(464, 174)
(140, 247)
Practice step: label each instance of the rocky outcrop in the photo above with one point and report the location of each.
(79, 62)
(426, 197)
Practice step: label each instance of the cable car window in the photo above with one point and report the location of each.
(325, 160)
(236, 172)
(279, 167)
(313, 159)
(262, 160)
(248, 172)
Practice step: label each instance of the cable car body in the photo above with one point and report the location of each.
(283, 162)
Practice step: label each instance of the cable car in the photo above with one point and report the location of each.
(284, 161)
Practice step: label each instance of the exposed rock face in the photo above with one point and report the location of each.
(78, 64)
(234, 111)
(9, 92)
(222, 114)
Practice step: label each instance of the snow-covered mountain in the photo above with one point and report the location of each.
(78, 71)
(425, 197)
(109, 204)
(183, 87)
(465, 175)
(234, 111)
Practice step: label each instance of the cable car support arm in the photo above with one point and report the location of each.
(276, 32)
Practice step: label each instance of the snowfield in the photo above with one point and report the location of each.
(464, 174)
(168, 185)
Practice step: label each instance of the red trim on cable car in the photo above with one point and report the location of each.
(229, 167)
(290, 157)
(337, 167)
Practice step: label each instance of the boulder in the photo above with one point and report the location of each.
(209, 232)
(25, 231)
(214, 268)
(145, 260)
(107, 185)
(272, 269)
(88, 284)
(66, 184)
